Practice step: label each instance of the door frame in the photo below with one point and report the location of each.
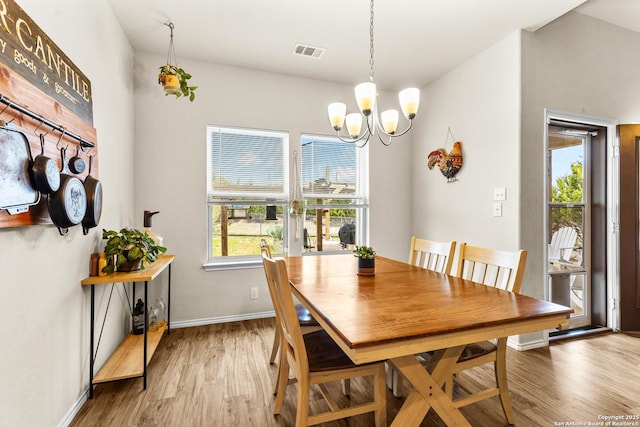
(613, 198)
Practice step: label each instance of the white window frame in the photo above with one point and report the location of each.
(361, 196)
(226, 198)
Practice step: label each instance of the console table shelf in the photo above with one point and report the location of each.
(128, 359)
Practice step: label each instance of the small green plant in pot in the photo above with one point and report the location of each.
(130, 248)
(366, 260)
(175, 82)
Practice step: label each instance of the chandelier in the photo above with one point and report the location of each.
(366, 94)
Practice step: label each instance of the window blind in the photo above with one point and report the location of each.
(246, 164)
(332, 167)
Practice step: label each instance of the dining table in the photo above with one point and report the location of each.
(404, 310)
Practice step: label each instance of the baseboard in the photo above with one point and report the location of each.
(530, 341)
(222, 319)
(69, 416)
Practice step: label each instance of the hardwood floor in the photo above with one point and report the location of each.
(219, 375)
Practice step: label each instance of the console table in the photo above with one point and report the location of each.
(131, 358)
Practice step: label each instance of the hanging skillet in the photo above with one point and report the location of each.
(76, 163)
(44, 172)
(93, 188)
(68, 205)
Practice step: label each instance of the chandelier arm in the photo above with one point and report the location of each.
(354, 140)
(396, 134)
(386, 144)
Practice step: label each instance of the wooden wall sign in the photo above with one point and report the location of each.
(45, 97)
(26, 49)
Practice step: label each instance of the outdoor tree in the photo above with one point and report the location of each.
(568, 189)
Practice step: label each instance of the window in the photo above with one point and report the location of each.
(246, 193)
(335, 188)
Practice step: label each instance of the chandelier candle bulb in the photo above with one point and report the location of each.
(354, 124)
(389, 120)
(409, 101)
(366, 97)
(336, 111)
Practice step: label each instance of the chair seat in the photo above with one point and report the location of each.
(475, 350)
(324, 354)
(304, 317)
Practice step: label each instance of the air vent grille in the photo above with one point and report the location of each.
(306, 50)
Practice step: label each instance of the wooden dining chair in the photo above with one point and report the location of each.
(432, 255)
(316, 359)
(307, 323)
(500, 269)
(435, 256)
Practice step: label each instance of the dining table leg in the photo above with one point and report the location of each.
(427, 389)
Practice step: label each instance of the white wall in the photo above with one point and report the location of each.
(576, 64)
(480, 102)
(170, 172)
(44, 311)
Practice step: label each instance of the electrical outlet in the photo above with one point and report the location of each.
(497, 209)
(254, 293)
(500, 193)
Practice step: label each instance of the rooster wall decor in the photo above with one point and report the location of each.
(448, 163)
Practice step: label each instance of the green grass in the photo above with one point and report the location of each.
(239, 245)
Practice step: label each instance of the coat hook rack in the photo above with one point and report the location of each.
(84, 144)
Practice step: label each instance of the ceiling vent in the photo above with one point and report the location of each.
(306, 50)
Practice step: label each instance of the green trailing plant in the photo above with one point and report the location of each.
(129, 245)
(183, 78)
(364, 252)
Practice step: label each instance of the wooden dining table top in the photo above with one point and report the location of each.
(404, 309)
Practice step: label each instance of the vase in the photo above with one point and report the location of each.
(130, 265)
(366, 266)
(171, 84)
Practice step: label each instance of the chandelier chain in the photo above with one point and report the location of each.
(371, 43)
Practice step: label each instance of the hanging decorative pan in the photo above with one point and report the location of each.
(93, 188)
(76, 163)
(16, 190)
(44, 172)
(68, 205)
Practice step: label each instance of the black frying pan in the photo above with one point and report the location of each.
(68, 205)
(76, 163)
(93, 188)
(44, 172)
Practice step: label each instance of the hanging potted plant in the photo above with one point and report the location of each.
(174, 79)
(366, 260)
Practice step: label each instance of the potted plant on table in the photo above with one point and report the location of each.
(128, 249)
(366, 260)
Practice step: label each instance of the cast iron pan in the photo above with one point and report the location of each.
(76, 163)
(93, 188)
(68, 205)
(44, 172)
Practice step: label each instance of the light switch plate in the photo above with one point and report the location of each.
(500, 193)
(497, 209)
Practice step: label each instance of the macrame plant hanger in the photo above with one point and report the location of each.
(297, 205)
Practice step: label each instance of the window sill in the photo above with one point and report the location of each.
(233, 265)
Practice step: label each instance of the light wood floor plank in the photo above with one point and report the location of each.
(219, 375)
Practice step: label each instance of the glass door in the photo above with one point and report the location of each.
(568, 218)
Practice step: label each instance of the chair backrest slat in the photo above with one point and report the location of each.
(436, 256)
(492, 267)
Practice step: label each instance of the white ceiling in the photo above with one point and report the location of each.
(416, 41)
